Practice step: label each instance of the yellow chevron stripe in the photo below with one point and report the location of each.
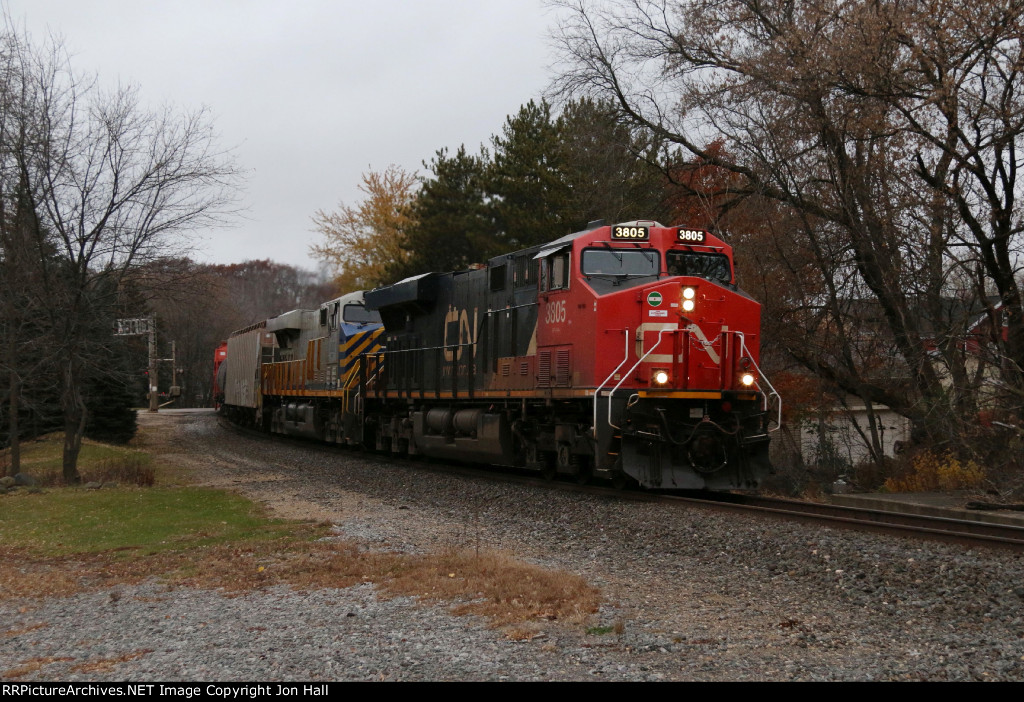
(362, 346)
(358, 339)
(347, 362)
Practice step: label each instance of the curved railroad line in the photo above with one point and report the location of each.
(959, 531)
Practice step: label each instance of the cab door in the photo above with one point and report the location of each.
(554, 320)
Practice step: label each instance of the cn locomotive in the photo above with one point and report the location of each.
(624, 353)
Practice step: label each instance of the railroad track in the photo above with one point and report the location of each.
(960, 531)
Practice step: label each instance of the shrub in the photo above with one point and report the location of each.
(930, 471)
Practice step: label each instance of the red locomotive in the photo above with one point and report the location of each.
(620, 352)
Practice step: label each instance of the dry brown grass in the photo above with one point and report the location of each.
(492, 584)
(124, 470)
(509, 593)
(98, 462)
(105, 665)
(30, 666)
(26, 576)
(24, 630)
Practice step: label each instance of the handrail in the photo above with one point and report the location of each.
(597, 391)
(762, 376)
(630, 372)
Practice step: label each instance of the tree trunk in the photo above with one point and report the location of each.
(74, 423)
(14, 467)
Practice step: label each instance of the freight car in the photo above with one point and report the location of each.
(219, 356)
(620, 352)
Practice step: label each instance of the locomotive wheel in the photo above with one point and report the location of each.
(549, 467)
(621, 481)
(583, 472)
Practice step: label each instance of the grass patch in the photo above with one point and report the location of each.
(70, 521)
(518, 597)
(42, 459)
(67, 540)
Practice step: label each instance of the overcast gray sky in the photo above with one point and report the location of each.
(312, 93)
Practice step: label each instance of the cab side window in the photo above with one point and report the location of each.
(555, 271)
(560, 271)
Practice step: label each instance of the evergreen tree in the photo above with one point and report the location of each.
(110, 401)
(612, 172)
(525, 185)
(109, 376)
(547, 177)
(451, 226)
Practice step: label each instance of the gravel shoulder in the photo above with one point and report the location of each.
(696, 595)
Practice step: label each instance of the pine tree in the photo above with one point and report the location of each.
(451, 227)
(525, 184)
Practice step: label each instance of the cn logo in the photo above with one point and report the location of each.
(458, 332)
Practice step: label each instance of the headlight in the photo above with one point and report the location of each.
(661, 377)
(747, 379)
(689, 295)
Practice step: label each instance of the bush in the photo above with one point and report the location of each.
(930, 471)
(129, 469)
(111, 417)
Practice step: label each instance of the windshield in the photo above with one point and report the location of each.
(701, 265)
(357, 314)
(621, 262)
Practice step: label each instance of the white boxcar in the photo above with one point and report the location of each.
(247, 349)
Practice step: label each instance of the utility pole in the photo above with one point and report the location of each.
(154, 400)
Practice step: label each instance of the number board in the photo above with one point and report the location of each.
(627, 233)
(691, 236)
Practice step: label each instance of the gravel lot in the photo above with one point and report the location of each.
(698, 595)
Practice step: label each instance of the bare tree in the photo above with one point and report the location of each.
(197, 306)
(891, 132)
(112, 184)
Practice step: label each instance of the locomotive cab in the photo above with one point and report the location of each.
(692, 412)
(678, 400)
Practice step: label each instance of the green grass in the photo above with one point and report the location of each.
(42, 459)
(45, 454)
(73, 521)
(124, 521)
